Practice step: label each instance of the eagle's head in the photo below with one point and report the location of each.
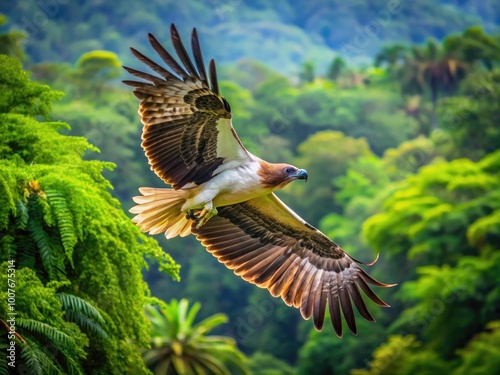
(278, 175)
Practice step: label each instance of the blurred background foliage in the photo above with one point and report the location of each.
(393, 107)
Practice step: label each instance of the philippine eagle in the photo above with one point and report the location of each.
(224, 194)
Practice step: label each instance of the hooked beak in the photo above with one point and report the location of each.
(301, 174)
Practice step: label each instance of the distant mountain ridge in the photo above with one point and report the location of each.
(282, 34)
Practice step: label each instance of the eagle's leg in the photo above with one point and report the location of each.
(206, 214)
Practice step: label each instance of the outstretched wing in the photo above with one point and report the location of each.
(269, 245)
(187, 135)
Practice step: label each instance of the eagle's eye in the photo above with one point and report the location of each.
(289, 170)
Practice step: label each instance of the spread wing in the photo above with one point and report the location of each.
(187, 135)
(269, 245)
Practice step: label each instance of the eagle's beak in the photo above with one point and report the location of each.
(301, 174)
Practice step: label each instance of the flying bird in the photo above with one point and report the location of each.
(224, 195)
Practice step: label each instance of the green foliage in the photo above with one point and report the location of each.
(445, 296)
(46, 340)
(325, 163)
(446, 218)
(99, 65)
(326, 353)
(360, 193)
(409, 157)
(296, 114)
(82, 313)
(78, 256)
(481, 356)
(284, 33)
(335, 68)
(475, 46)
(94, 69)
(403, 355)
(179, 346)
(265, 364)
(428, 214)
(29, 98)
(10, 41)
(307, 73)
(471, 119)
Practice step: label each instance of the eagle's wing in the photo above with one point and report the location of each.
(187, 135)
(269, 245)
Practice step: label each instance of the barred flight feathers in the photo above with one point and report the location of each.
(267, 244)
(184, 115)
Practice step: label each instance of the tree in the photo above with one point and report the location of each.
(335, 68)
(21, 96)
(325, 156)
(446, 221)
(481, 356)
(71, 242)
(94, 69)
(432, 69)
(427, 216)
(471, 119)
(409, 157)
(307, 73)
(474, 46)
(10, 41)
(403, 355)
(178, 346)
(360, 193)
(391, 55)
(265, 364)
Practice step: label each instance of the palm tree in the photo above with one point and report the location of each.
(391, 54)
(431, 68)
(475, 46)
(180, 347)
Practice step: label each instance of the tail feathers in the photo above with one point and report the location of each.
(159, 210)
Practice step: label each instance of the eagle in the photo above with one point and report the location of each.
(225, 195)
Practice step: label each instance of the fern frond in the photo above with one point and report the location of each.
(60, 339)
(38, 234)
(22, 215)
(64, 220)
(77, 304)
(36, 361)
(82, 313)
(7, 248)
(73, 367)
(86, 323)
(4, 367)
(27, 251)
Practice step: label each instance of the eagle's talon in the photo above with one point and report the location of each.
(205, 215)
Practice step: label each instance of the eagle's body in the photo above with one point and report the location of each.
(229, 187)
(225, 195)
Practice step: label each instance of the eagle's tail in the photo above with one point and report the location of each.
(159, 210)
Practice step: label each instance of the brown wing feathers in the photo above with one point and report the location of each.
(303, 267)
(180, 111)
(198, 56)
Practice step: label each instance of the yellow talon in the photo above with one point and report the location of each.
(205, 215)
